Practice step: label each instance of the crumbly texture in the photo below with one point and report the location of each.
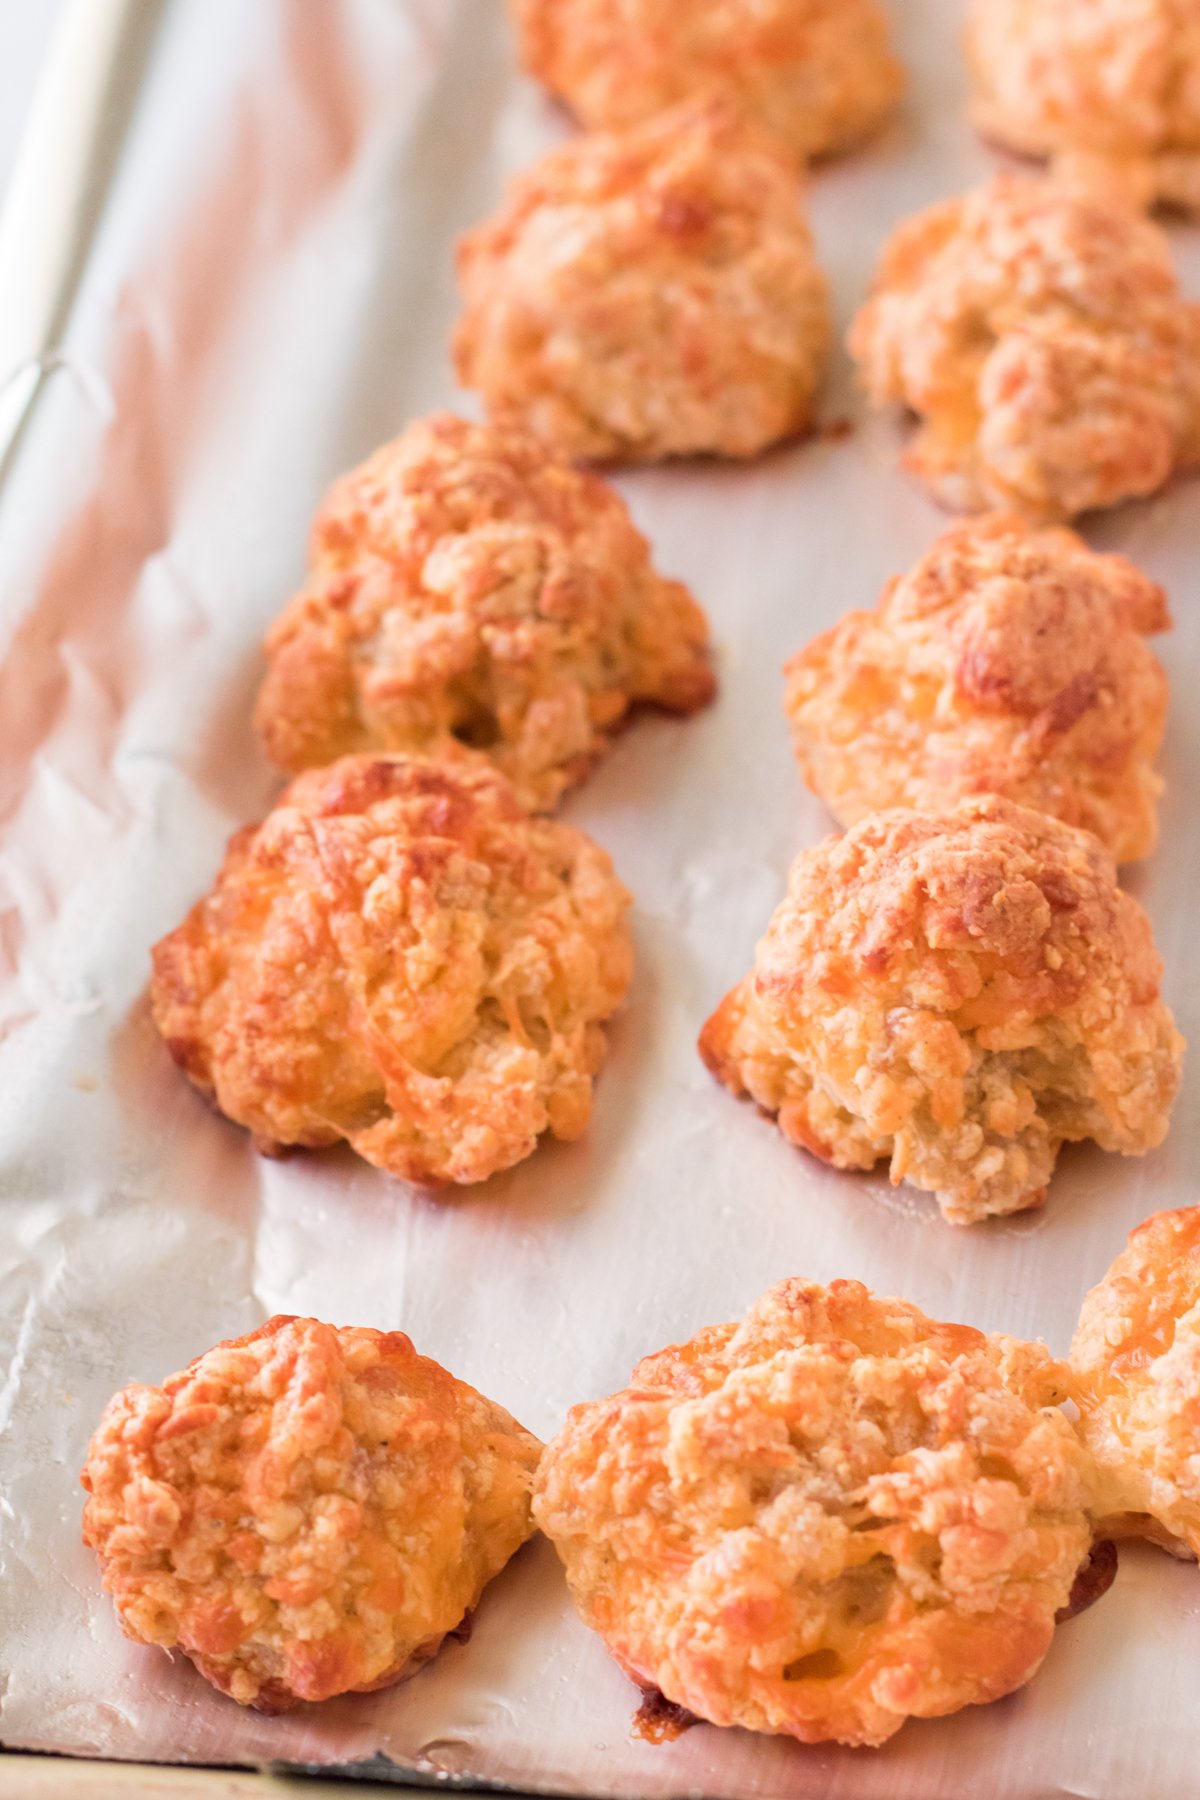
(305, 1511)
(400, 956)
(1115, 82)
(960, 993)
(1136, 1366)
(818, 73)
(1009, 661)
(464, 589)
(649, 294)
(832, 1517)
(1037, 331)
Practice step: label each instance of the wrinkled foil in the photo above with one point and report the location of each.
(267, 293)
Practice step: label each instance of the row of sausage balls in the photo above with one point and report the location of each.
(409, 955)
(1111, 84)
(823, 1520)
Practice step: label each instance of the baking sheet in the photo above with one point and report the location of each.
(267, 295)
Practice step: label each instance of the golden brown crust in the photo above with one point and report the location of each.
(1008, 661)
(649, 294)
(825, 1520)
(1136, 1363)
(400, 956)
(464, 588)
(819, 73)
(1114, 81)
(1037, 330)
(305, 1511)
(960, 992)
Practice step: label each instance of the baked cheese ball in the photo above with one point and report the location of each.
(960, 993)
(305, 1511)
(1037, 331)
(648, 294)
(464, 589)
(400, 956)
(832, 1517)
(1136, 1362)
(819, 73)
(1010, 661)
(1112, 82)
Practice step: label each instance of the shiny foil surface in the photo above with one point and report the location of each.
(267, 293)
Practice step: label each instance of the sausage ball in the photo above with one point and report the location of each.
(1037, 331)
(1115, 82)
(306, 1511)
(649, 294)
(960, 992)
(819, 73)
(400, 956)
(827, 1519)
(465, 589)
(1136, 1358)
(1009, 661)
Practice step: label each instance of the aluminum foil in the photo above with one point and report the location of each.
(267, 293)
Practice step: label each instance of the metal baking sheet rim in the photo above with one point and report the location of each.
(461, 1724)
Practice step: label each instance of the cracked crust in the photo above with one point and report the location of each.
(649, 294)
(834, 1516)
(305, 1511)
(400, 956)
(959, 993)
(1008, 661)
(1136, 1364)
(464, 589)
(1110, 84)
(818, 73)
(1037, 331)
